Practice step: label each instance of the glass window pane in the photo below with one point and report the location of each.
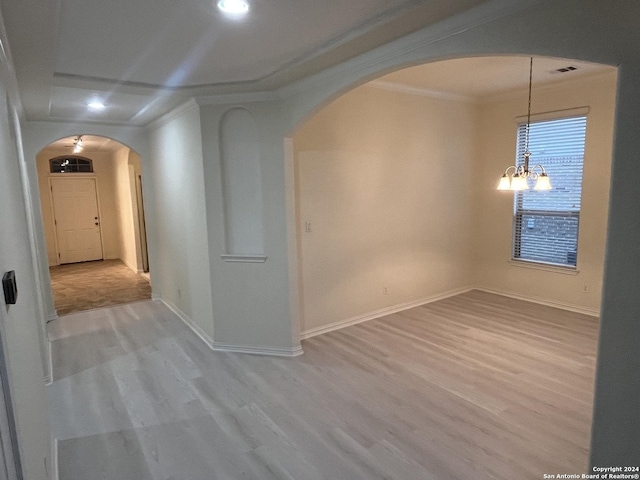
(546, 222)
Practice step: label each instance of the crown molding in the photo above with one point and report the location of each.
(370, 64)
(230, 98)
(568, 82)
(182, 109)
(422, 92)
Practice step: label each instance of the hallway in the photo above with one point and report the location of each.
(88, 285)
(466, 387)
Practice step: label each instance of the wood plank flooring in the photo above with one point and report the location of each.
(87, 285)
(476, 386)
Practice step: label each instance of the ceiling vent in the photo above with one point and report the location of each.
(570, 68)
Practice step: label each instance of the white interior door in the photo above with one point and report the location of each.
(75, 206)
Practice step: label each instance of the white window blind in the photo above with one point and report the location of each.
(546, 222)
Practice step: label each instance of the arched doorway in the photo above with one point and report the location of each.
(413, 147)
(94, 223)
(396, 195)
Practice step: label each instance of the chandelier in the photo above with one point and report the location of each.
(522, 173)
(77, 146)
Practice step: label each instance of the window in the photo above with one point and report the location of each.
(546, 222)
(70, 164)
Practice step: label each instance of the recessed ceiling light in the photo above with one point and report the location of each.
(233, 7)
(96, 105)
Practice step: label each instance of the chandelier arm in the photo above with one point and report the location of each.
(506, 171)
(535, 174)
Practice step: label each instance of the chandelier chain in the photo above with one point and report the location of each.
(526, 147)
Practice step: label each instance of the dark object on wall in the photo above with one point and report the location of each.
(10, 287)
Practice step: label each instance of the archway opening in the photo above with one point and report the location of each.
(94, 222)
(396, 204)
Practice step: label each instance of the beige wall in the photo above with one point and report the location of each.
(494, 210)
(384, 178)
(126, 209)
(399, 190)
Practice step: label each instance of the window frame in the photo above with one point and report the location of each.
(519, 211)
(74, 157)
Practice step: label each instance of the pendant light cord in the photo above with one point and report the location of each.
(526, 147)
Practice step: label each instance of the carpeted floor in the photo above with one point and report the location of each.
(88, 285)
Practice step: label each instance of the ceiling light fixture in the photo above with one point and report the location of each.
(522, 173)
(77, 146)
(96, 105)
(233, 7)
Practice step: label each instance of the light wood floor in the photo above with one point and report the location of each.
(476, 386)
(87, 285)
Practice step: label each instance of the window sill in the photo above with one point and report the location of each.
(546, 268)
(238, 258)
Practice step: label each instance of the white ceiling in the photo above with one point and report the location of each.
(144, 57)
(190, 43)
(480, 78)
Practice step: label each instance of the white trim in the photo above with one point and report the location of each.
(54, 474)
(133, 268)
(422, 92)
(173, 114)
(187, 321)
(52, 317)
(224, 347)
(568, 270)
(569, 82)
(241, 258)
(434, 298)
(555, 114)
(48, 377)
(55, 223)
(541, 301)
(381, 313)
(269, 351)
(230, 98)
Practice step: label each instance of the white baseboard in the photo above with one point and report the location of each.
(223, 347)
(380, 313)
(269, 351)
(542, 301)
(187, 321)
(133, 268)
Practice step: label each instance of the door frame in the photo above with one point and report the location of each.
(9, 445)
(142, 223)
(73, 176)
